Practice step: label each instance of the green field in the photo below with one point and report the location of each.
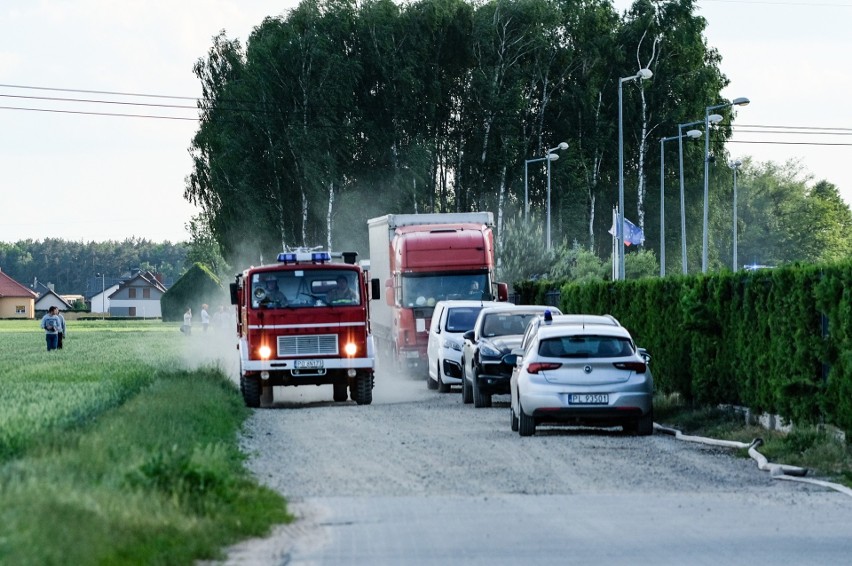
(122, 448)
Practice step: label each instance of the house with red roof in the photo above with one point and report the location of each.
(16, 300)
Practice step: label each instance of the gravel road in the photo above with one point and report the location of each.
(435, 475)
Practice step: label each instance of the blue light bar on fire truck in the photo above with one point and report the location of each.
(295, 257)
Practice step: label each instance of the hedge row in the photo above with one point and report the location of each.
(776, 340)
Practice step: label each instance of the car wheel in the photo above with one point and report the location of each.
(442, 387)
(480, 399)
(645, 425)
(514, 419)
(430, 383)
(467, 392)
(250, 386)
(340, 392)
(361, 389)
(526, 424)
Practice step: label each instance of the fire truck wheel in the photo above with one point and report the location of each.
(361, 390)
(340, 392)
(250, 386)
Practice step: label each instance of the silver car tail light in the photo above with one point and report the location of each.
(638, 367)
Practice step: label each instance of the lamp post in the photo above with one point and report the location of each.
(619, 231)
(742, 101)
(680, 134)
(735, 165)
(692, 134)
(103, 293)
(549, 156)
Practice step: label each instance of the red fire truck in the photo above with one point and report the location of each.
(305, 321)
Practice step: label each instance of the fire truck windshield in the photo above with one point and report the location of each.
(429, 289)
(304, 288)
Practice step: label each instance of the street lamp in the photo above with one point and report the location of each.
(619, 231)
(735, 165)
(692, 134)
(103, 293)
(550, 156)
(680, 128)
(742, 101)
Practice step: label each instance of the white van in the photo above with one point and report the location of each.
(450, 320)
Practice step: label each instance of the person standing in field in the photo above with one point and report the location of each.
(187, 322)
(51, 324)
(61, 333)
(205, 317)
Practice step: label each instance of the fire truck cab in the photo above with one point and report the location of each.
(305, 321)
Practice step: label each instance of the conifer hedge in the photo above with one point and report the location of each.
(775, 340)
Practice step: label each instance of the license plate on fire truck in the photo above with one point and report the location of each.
(309, 364)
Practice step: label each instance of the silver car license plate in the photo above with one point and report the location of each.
(588, 399)
(309, 364)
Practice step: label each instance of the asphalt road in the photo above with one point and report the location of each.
(419, 478)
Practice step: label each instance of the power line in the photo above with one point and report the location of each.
(789, 143)
(89, 101)
(97, 113)
(791, 127)
(56, 89)
(793, 132)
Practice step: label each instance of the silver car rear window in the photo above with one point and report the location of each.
(586, 346)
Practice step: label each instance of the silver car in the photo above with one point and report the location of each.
(590, 374)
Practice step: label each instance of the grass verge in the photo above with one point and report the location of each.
(812, 447)
(144, 468)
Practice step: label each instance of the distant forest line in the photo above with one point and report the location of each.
(73, 267)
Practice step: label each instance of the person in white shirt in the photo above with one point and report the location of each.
(205, 317)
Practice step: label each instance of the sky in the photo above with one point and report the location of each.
(65, 173)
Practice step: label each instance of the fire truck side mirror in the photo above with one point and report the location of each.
(234, 296)
(375, 289)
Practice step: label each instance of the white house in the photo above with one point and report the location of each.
(139, 296)
(100, 303)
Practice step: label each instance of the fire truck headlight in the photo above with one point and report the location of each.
(265, 352)
(350, 349)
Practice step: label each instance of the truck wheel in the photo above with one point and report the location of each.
(340, 392)
(479, 399)
(526, 424)
(250, 386)
(467, 392)
(361, 390)
(442, 387)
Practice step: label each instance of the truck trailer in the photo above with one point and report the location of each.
(422, 259)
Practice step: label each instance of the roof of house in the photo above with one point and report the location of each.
(11, 288)
(145, 276)
(50, 292)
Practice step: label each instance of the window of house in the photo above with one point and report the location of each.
(20, 309)
(146, 293)
(131, 293)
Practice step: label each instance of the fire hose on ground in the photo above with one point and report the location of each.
(777, 471)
